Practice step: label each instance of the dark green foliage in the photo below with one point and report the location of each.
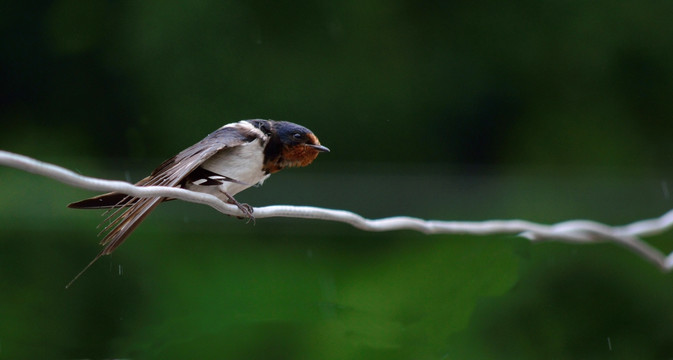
(543, 110)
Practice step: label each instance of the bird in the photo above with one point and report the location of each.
(227, 161)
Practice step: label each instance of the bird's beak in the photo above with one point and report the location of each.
(318, 147)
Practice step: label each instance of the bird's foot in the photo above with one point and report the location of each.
(246, 209)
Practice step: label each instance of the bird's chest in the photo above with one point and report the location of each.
(242, 163)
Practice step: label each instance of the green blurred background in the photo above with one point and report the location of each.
(542, 110)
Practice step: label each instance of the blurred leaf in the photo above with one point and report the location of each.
(415, 298)
(408, 302)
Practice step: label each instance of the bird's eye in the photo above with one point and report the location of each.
(297, 136)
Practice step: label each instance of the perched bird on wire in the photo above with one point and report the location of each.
(226, 162)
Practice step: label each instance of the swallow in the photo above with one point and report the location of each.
(226, 162)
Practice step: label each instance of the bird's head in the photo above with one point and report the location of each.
(291, 145)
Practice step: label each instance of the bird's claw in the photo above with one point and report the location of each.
(247, 210)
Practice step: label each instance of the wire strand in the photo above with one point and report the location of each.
(574, 231)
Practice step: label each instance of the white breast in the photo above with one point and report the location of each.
(242, 163)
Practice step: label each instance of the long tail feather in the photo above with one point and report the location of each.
(130, 219)
(85, 269)
(105, 201)
(125, 224)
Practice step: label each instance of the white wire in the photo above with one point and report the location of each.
(574, 231)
